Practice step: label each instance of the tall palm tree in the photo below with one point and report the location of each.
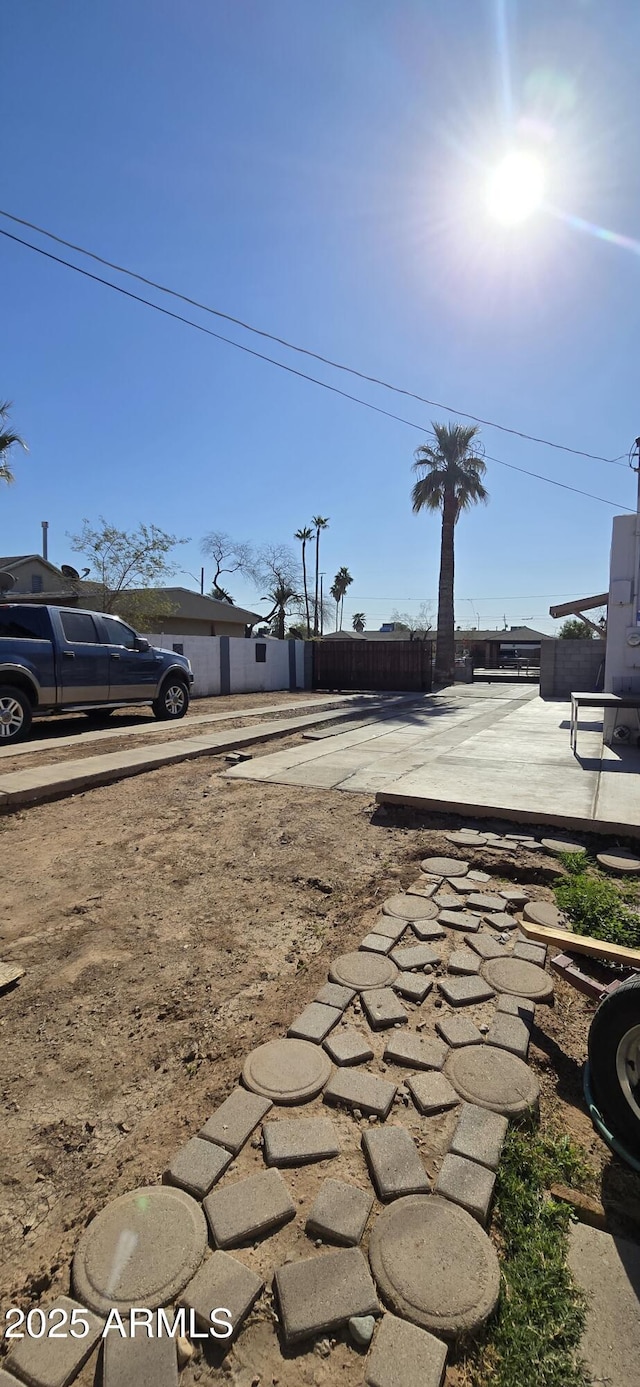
(304, 534)
(450, 480)
(320, 522)
(7, 441)
(345, 582)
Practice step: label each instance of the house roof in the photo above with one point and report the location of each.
(194, 604)
(15, 560)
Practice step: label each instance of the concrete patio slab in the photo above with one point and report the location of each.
(608, 1269)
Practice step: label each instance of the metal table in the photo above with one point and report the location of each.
(599, 700)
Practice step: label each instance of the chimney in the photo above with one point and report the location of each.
(45, 542)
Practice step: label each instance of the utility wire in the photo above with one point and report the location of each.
(291, 370)
(304, 351)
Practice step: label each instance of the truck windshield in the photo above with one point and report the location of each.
(31, 625)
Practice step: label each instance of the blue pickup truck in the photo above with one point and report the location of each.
(63, 660)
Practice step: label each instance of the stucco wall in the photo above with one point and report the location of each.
(568, 667)
(229, 665)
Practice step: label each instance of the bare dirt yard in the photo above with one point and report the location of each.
(168, 924)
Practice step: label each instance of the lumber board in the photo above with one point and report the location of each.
(9, 973)
(581, 944)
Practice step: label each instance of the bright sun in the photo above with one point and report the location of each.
(516, 187)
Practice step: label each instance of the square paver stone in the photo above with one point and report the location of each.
(423, 887)
(482, 877)
(377, 944)
(466, 1183)
(321, 1293)
(390, 927)
(483, 903)
(404, 1356)
(348, 1046)
(501, 921)
(479, 1135)
(532, 953)
(463, 961)
(394, 1161)
(147, 1362)
(415, 956)
(222, 1280)
(333, 995)
(54, 1362)
(461, 992)
(356, 1088)
(459, 919)
(515, 896)
(509, 1033)
(458, 1030)
(414, 986)
(432, 1092)
(299, 1140)
(339, 1213)
(196, 1167)
(517, 1006)
(314, 1023)
(416, 1051)
(486, 945)
(382, 1008)
(448, 900)
(461, 885)
(232, 1123)
(426, 929)
(248, 1209)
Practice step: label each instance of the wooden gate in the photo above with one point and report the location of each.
(372, 665)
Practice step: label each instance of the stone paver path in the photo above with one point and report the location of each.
(421, 1083)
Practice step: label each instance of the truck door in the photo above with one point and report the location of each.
(84, 660)
(133, 673)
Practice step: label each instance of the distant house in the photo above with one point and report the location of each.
(189, 613)
(192, 614)
(35, 575)
(487, 649)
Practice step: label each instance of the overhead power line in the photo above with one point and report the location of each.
(305, 351)
(291, 370)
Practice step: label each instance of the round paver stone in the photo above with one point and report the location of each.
(288, 1071)
(363, 970)
(434, 1265)
(142, 1249)
(410, 908)
(493, 1078)
(542, 913)
(563, 845)
(519, 978)
(445, 866)
(467, 837)
(619, 861)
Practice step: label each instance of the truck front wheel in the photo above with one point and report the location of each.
(15, 715)
(172, 702)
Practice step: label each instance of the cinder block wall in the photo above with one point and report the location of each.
(568, 667)
(246, 674)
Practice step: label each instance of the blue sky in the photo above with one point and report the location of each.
(319, 169)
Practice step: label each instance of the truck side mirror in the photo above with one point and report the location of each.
(142, 644)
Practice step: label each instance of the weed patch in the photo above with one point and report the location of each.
(596, 905)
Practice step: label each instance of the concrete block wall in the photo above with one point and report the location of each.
(568, 667)
(228, 664)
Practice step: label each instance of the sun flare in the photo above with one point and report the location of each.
(516, 187)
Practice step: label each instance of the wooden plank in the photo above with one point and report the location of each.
(9, 973)
(582, 944)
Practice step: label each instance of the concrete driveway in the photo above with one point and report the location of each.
(484, 749)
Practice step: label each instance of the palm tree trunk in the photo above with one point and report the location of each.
(315, 603)
(304, 581)
(281, 620)
(445, 662)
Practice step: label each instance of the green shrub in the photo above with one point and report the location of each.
(595, 906)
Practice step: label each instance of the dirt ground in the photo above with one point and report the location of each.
(169, 924)
(236, 710)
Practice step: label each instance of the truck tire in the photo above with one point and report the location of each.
(172, 701)
(614, 1062)
(15, 715)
